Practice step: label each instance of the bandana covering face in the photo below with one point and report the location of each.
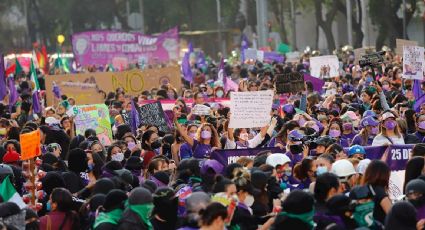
(144, 211)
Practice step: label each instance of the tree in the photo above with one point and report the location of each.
(390, 26)
(356, 25)
(326, 23)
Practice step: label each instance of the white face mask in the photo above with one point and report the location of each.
(244, 136)
(117, 157)
(249, 200)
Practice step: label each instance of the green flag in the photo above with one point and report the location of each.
(34, 77)
(9, 194)
(18, 67)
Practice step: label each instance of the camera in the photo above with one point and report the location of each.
(310, 141)
(372, 60)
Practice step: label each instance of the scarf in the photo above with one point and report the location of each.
(304, 217)
(144, 211)
(108, 217)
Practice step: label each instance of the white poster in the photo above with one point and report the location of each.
(324, 66)
(293, 57)
(395, 186)
(250, 109)
(201, 110)
(413, 62)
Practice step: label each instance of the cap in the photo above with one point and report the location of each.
(387, 115)
(125, 175)
(216, 166)
(350, 114)
(325, 141)
(369, 113)
(140, 195)
(277, 159)
(288, 108)
(343, 168)
(295, 135)
(276, 106)
(369, 121)
(416, 185)
(356, 149)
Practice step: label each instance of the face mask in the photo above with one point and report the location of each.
(243, 136)
(288, 172)
(374, 130)
(3, 131)
(206, 134)
(386, 87)
(249, 200)
(156, 144)
(131, 145)
(117, 157)
(219, 94)
(48, 206)
(321, 169)
(90, 167)
(418, 202)
(421, 125)
(390, 125)
(334, 133)
(301, 122)
(347, 126)
(296, 149)
(363, 214)
(192, 135)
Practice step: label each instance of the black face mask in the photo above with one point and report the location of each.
(156, 144)
(296, 149)
(418, 202)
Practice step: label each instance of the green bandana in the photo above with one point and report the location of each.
(108, 217)
(144, 211)
(305, 217)
(195, 179)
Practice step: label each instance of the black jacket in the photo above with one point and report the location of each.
(130, 220)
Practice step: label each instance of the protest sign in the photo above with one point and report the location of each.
(413, 62)
(402, 42)
(30, 145)
(290, 83)
(263, 56)
(250, 109)
(152, 114)
(91, 88)
(292, 57)
(324, 66)
(94, 117)
(201, 110)
(102, 47)
(229, 156)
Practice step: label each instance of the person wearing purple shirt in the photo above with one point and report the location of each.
(367, 133)
(205, 142)
(297, 151)
(420, 133)
(185, 149)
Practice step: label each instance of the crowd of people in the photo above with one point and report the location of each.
(148, 179)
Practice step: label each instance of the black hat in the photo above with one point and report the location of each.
(114, 199)
(416, 185)
(325, 141)
(298, 202)
(140, 196)
(125, 175)
(103, 186)
(96, 201)
(77, 160)
(259, 179)
(149, 185)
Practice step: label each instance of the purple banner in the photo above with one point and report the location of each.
(317, 83)
(397, 155)
(123, 48)
(229, 156)
(273, 56)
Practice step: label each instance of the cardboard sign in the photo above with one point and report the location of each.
(402, 42)
(413, 62)
(201, 110)
(324, 66)
(290, 83)
(91, 88)
(94, 117)
(250, 109)
(152, 114)
(30, 145)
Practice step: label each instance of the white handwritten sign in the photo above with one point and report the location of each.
(395, 185)
(413, 62)
(324, 66)
(201, 110)
(250, 109)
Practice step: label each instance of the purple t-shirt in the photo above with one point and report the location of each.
(358, 140)
(185, 151)
(201, 150)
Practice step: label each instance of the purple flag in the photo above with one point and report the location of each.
(56, 91)
(201, 63)
(317, 83)
(244, 46)
(186, 68)
(418, 103)
(36, 107)
(417, 91)
(13, 97)
(3, 90)
(134, 117)
(398, 155)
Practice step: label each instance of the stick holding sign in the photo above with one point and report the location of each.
(250, 109)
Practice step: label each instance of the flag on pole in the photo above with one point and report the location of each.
(244, 46)
(36, 107)
(227, 82)
(15, 68)
(9, 194)
(3, 89)
(186, 68)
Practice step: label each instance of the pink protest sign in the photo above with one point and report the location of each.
(107, 47)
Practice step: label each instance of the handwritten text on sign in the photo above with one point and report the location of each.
(30, 145)
(250, 109)
(413, 62)
(152, 114)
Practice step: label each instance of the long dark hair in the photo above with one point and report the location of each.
(413, 170)
(301, 169)
(63, 198)
(377, 174)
